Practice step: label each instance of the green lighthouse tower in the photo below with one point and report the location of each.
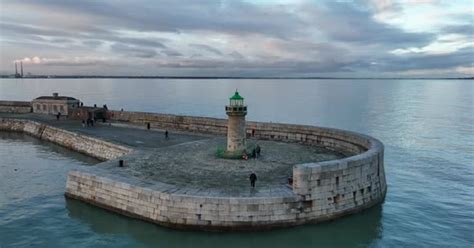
(236, 111)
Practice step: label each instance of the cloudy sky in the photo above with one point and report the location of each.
(407, 38)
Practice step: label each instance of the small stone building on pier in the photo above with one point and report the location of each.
(55, 104)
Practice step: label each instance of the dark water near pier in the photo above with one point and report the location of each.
(427, 127)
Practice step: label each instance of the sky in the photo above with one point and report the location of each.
(292, 38)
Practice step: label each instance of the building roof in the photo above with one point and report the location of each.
(236, 96)
(55, 98)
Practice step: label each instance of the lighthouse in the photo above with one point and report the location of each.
(236, 111)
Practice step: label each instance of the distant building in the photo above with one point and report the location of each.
(18, 75)
(55, 104)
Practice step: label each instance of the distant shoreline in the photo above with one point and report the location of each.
(209, 77)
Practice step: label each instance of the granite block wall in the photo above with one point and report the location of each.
(90, 146)
(330, 138)
(172, 122)
(19, 107)
(188, 211)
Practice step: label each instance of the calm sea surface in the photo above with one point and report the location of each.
(427, 127)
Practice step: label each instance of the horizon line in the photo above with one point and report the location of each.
(219, 77)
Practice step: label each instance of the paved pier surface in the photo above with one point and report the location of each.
(194, 165)
(133, 137)
(189, 161)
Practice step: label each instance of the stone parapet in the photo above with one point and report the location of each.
(188, 211)
(81, 143)
(310, 135)
(172, 122)
(16, 107)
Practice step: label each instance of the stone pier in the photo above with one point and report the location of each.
(323, 187)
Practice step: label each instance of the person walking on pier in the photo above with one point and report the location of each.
(257, 150)
(253, 179)
(167, 135)
(58, 116)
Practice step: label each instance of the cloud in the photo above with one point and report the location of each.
(236, 55)
(460, 58)
(133, 51)
(207, 48)
(61, 40)
(8, 28)
(27, 60)
(463, 29)
(138, 42)
(92, 43)
(232, 36)
(65, 61)
(350, 24)
(178, 16)
(171, 53)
